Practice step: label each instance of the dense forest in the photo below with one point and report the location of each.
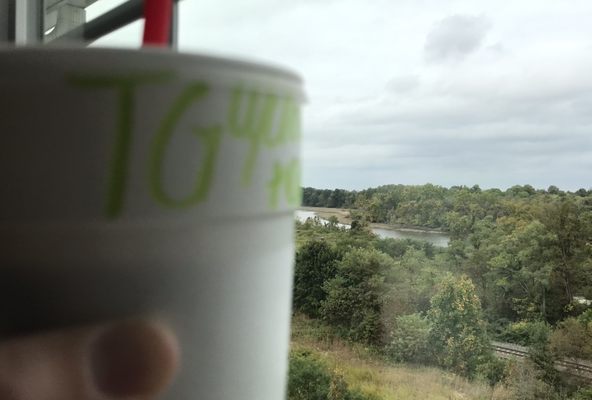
(518, 269)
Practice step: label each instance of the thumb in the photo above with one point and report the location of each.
(130, 359)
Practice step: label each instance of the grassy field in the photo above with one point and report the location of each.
(369, 373)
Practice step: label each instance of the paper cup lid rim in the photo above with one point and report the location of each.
(210, 60)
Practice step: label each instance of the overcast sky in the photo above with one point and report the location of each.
(416, 91)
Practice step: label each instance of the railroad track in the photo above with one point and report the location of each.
(572, 366)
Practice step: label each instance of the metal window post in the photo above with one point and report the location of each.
(174, 35)
(6, 9)
(24, 22)
(29, 21)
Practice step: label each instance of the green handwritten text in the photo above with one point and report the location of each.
(125, 86)
(286, 178)
(262, 119)
(210, 138)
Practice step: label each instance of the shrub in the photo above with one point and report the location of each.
(355, 296)
(309, 378)
(492, 370)
(572, 338)
(516, 332)
(524, 382)
(526, 333)
(586, 317)
(582, 394)
(409, 341)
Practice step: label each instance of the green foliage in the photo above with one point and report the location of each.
(309, 377)
(427, 205)
(582, 394)
(316, 263)
(527, 253)
(359, 223)
(521, 267)
(586, 316)
(458, 336)
(332, 221)
(395, 247)
(340, 390)
(421, 276)
(492, 370)
(341, 240)
(526, 333)
(539, 354)
(526, 249)
(337, 198)
(409, 340)
(572, 338)
(569, 221)
(355, 295)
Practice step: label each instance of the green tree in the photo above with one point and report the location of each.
(316, 263)
(421, 275)
(570, 223)
(355, 295)
(539, 354)
(458, 336)
(409, 342)
(553, 189)
(358, 224)
(522, 266)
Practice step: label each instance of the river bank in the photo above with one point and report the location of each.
(440, 239)
(343, 216)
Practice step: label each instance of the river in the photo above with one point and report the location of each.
(436, 238)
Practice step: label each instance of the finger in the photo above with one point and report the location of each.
(134, 359)
(131, 359)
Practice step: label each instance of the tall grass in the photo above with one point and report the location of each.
(364, 369)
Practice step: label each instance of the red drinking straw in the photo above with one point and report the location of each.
(157, 22)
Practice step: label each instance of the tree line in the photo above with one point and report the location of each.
(432, 206)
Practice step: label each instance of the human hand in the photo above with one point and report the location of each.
(126, 360)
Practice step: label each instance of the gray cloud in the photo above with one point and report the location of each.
(494, 105)
(455, 37)
(403, 84)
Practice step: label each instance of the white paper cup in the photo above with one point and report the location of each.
(153, 183)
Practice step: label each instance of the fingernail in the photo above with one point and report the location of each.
(131, 359)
